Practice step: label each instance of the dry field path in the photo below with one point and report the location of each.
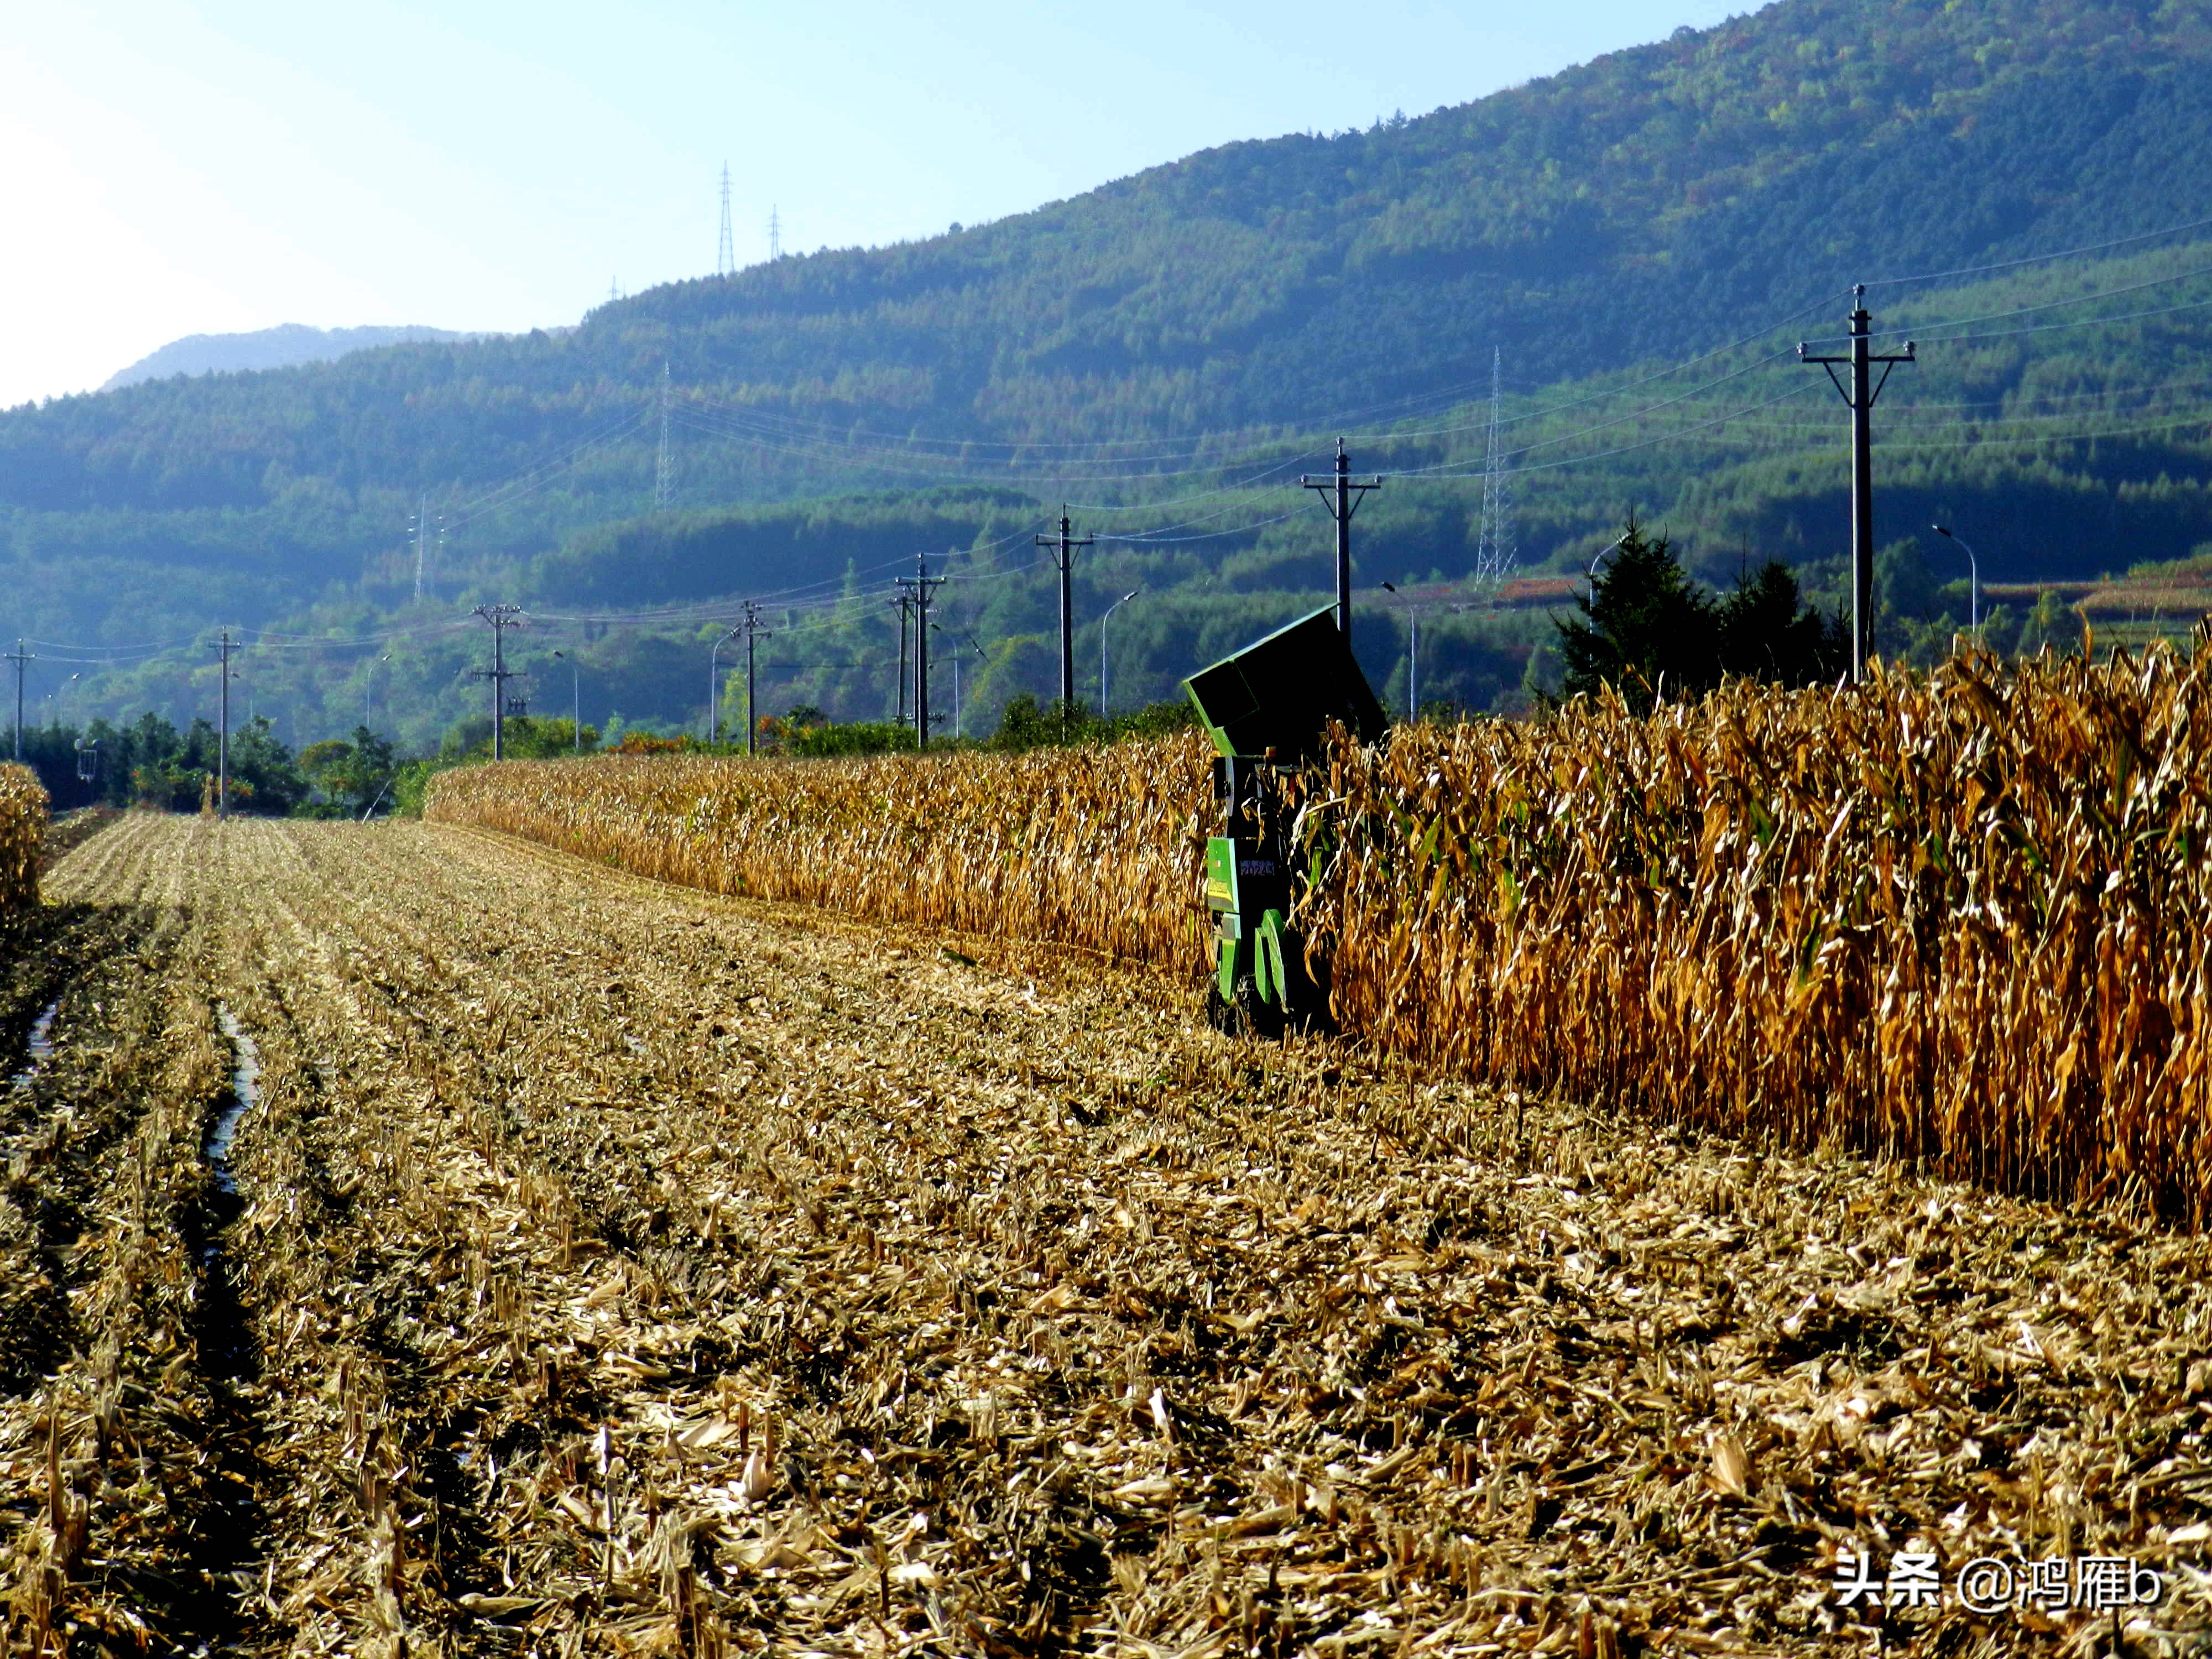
(615, 1269)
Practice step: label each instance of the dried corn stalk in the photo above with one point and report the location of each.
(1098, 849)
(22, 832)
(1957, 918)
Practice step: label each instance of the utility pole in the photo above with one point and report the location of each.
(905, 604)
(1413, 665)
(1341, 494)
(1064, 551)
(663, 477)
(726, 252)
(575, 699)
(222, 740)
(23, 660)
(921, 585)
(1859, 397)
(774, 235)
(753, 631)
(502, 617)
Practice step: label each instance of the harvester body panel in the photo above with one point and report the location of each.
(1267, 709)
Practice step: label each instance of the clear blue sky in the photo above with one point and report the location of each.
(172, 169)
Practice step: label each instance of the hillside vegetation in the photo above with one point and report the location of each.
(1172, 350)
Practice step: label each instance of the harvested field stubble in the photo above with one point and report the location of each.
(23, 835)
(1099, 849)
(121, 1501)
(635, 1271)
(1957, 918)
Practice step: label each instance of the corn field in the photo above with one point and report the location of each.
(1100, 849)
(1958, 918)
(1955, 919)
(421, 1241)
(23, 835)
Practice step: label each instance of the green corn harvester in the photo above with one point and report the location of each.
(1266, 708)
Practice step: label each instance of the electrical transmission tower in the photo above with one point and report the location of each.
(1495, 552)
(23, 660)
(502, 617)
(919, 586)
(425, 525)
(725, 253)
(774, 236)
(663, 477)
(1064, 549)
(1342, 494)
(1859, 397)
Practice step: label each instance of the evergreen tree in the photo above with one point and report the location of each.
(1763, 634)
(1646, 627)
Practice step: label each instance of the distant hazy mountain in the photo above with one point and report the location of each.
(266, 348)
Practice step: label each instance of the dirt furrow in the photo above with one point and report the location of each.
(130, 1433)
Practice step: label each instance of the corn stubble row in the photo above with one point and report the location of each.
(1954, 918)
(22, 832)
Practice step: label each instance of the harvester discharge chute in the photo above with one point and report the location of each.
(1267, 709)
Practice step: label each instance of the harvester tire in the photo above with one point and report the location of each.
(1255, 1014)
(1220, 1012)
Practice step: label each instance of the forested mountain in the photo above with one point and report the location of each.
(280, 347)
(1172, 350)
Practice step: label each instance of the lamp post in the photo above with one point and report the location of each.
(576, 699)
(368, 688)
(1105, 709)
(1974, 577)
(714, 705)
(1413, 658)
(1591, 574)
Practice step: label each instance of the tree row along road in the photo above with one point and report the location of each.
(616, 1269)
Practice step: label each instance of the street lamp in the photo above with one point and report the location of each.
(1974, 577)
(714, 705)
(1591, 574)
(1413, 659)
(576, 698)
(959, 729)
(1104, 708)
(368, 687)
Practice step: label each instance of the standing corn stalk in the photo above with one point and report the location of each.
(1956, 918)
(22, 835)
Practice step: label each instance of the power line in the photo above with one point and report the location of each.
(2042, 259)
(2047, 305)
